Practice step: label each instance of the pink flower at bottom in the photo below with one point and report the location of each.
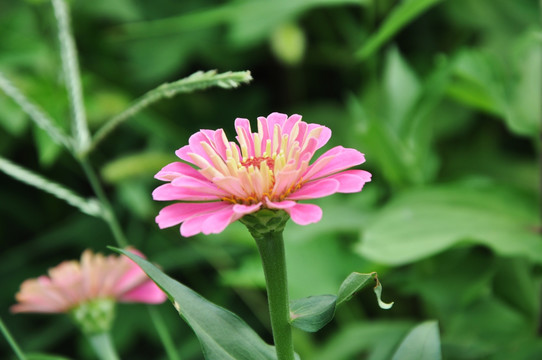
(73, 283)
(269, 169)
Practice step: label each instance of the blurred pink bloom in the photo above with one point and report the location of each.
(267, 169)
(72, 283)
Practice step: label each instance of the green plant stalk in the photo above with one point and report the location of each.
(103, 346)
(121, 241)
(271, 247)
(70, 66)
(38, 115)
(163, 333)
(197, 81)
(11, 341)
(109, 215)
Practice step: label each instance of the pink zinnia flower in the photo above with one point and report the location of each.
(95, 277)
(266, 169)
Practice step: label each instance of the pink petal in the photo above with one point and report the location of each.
(351, 181)
(195, 144)
(282, 205)
(176, 213)
(169, 192)
(246, 209)
(210, 222)
(231, 185)
(220, 141)
(176, 169)
(36, 307)
(284, 180)
(216, 223)
(324, 136)
(310, 147)
(315, 189)
(333, 161)
(304, 214)
(244, 134)
(198, 186)
(275, 118)
(193, 225)
(147, 292)
(183, 152)
(302, 132)
(195, 147)
(243, 123)
(289, 124)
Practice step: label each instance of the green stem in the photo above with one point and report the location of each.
(271, 247)
(11, 341)
(118, 234)
(70, 66)
(103, 346)
(109, 215)
(167, 342)
(197, 81)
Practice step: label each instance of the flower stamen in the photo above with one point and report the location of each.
(256, 161)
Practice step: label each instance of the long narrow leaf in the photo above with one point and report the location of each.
(40, 118)
(72, 76)
(222, 334)
(11, 341)
(198, 81)
(404, 13)
(90, 206)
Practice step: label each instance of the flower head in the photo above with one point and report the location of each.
(73, 284)
(269, 169)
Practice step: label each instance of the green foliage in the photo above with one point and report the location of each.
(314, 312)
(87, 206)
(44, 357)
(222, 334)
(400, 16)
(423, 222)
(442, 97)
(421, 343)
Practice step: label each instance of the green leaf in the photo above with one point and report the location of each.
(40, 118)
(250, 21)
(402, 87)
(270, 14)
(421, 343)
(314, 312)
(422, 222)
(377, 339)
(516, 285)
(134, 165)
(523, 113)
(352, 284)
(88, 206)
(509, 90)
(45, 357)
(222, 334)
(477, 82)
(403, 14)
(483, 329)
(199, 80)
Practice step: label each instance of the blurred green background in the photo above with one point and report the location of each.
(443, 97)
